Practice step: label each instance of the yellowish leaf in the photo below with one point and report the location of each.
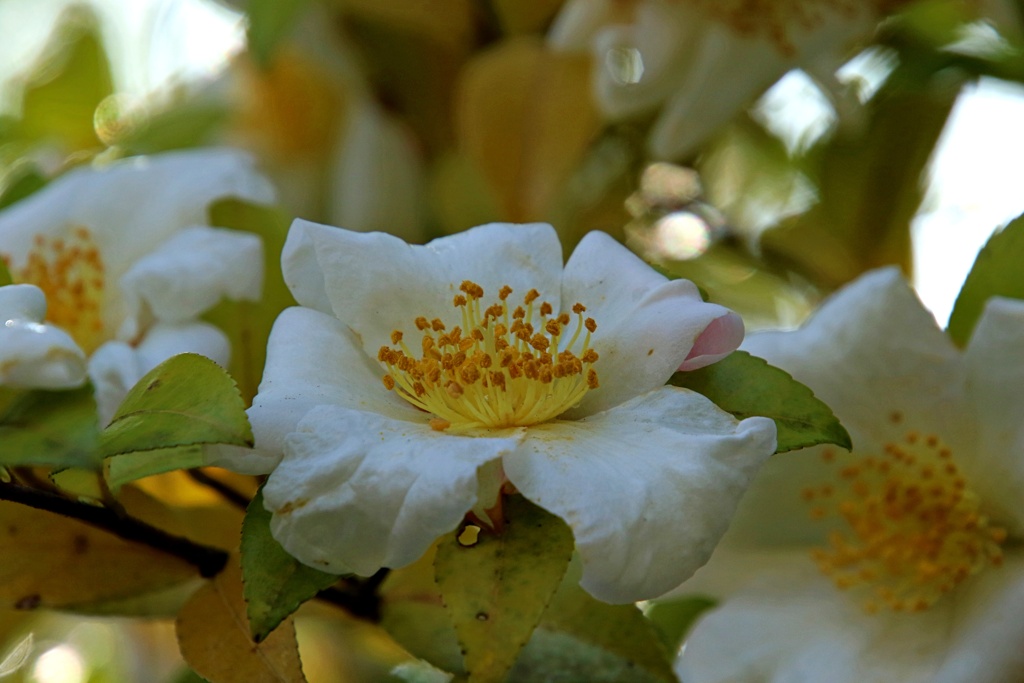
(525, 117)
(53, 561)
(213, 634)
(525, 16)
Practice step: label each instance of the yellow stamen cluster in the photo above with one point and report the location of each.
(70, 272)
(915, 529)
(500, 368)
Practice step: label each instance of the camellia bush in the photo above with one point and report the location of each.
(501, 340)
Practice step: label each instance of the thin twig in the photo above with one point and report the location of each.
(358, 597)
(229, 494)
(208, 560)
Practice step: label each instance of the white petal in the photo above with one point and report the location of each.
(577, 23)
(725, 70)
(377, 178)
(34, 355)
(115, 367)
(376, 283)
(190, 273)
(665, 37)
(798, 628)
(720, 76)
(646, 324)
(872, 352)
(312, 359)
(360, 491)
(647, 487)
(26, 303)
(985, 641)
(131, 206)
(994, 464)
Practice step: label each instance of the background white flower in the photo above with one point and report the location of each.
(702, 61)
(646, 475)
(927, 547)
(34, 355)
(127, 261)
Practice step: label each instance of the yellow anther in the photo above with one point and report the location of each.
(71, 273)
(914, 529)
(487, 373)
(396, 337)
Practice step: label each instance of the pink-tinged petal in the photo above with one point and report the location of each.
(312, 359)
(648, 487)
(647, 325)
(796, 627)
(359, 491)
(723, 336)
(992, 460)
(34, 355)
(376, 283)
(189, 274)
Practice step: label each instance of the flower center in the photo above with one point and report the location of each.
(497, 369)
(70, 273)
(915, 530)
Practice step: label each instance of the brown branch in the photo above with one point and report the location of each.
(229, 494)
(209, 561)
(358, 597)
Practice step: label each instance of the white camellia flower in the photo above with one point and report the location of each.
(414, 381)
(703, 60)
(901, 561)
(34, 355)
(127, 263)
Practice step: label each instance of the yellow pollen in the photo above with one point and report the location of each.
(70, 272)
(913, 529)
(500, 368)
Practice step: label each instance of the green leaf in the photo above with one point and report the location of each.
(675, 617)
(188, 399)
(619, 630)
(746, 386)
(554, 657)
(5, 274)
(127, 467)
(22, 181)
(497, 588)
(996, 272)
(67, 84)
(413, 613)
(248, 323)
(275, 584)
(269, 22)
(51, 428)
